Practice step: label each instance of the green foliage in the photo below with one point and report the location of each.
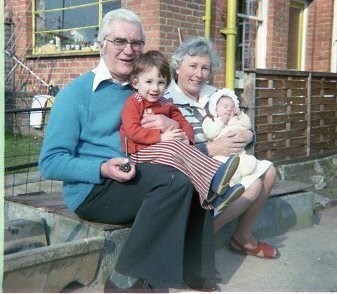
(332, 191)
(21, 149)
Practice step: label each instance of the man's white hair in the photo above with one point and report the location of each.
(118, 14)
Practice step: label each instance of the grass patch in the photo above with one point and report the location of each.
(21, 149)
(333, 191)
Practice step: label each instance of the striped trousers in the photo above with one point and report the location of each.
(197, 166)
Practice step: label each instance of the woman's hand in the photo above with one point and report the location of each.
(230, 143)
(172, 134)
(110, 169)
(158, 121)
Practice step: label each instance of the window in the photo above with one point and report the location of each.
(68, 26)
(248, 24)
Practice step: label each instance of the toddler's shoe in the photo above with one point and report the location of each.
(230, 196)
(223, 176)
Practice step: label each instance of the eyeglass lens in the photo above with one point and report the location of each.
(120, 44)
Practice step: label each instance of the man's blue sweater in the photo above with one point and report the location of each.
(82, 133)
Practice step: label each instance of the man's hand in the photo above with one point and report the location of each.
(158, 121)
(110, 169)
(230, 143)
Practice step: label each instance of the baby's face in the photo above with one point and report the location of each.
(225, 107)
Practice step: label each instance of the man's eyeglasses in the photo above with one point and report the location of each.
(120, 44)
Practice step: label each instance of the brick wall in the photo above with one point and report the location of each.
(9, 63)
(188, 17)
(161, 21)
(277, 37)
(218, 23)
(52, 70)
(318, 38)
(320, 20)
(21, 17)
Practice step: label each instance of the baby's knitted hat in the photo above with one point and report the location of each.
(217, 95)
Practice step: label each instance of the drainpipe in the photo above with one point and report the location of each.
(207, 19)
(230, 33)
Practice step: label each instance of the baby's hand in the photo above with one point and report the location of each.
(224, 119)
(237, 111)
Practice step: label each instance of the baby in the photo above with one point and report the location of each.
(225, 116)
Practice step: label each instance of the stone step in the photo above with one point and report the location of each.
(23, 234)
(49, 250)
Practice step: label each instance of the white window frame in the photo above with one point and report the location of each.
(261, 40)
(334, 41)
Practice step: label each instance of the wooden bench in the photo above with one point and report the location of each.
(53, 203)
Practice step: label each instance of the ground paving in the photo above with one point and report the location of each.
(308, 262)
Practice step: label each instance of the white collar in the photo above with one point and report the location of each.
(180, 98)
(102, 73)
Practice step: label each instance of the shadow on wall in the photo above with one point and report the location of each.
(280, 215)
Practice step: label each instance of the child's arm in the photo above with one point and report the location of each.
(176, 115)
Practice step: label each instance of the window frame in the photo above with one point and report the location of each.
(301, 5)
(38, 50)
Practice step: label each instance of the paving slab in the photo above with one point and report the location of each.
(308, 261)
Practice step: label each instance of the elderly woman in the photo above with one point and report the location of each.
(193, 65)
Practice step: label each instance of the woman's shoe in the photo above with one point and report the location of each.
(223, 176)
(262, 250)
(230, 196)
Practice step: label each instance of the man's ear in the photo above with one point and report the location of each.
(102, 44)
